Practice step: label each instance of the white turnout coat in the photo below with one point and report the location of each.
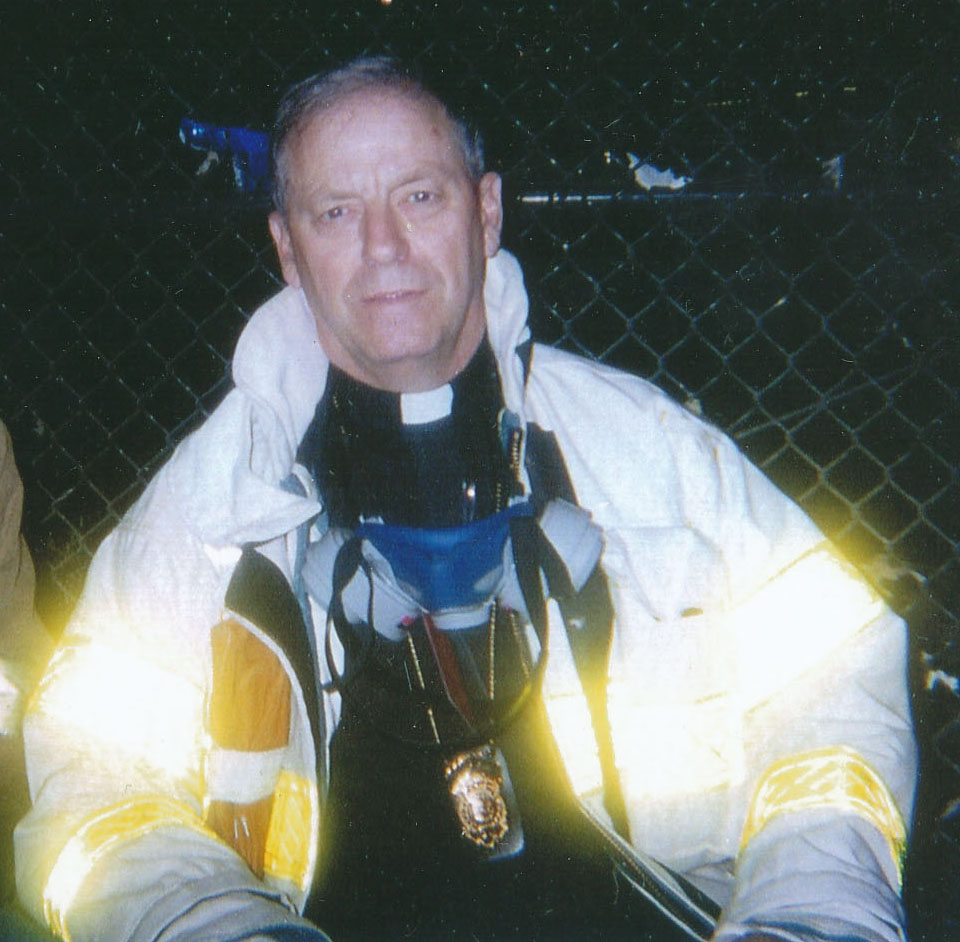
(756, 692)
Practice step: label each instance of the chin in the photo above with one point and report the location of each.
(404, 341)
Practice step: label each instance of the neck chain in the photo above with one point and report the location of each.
(514, 452)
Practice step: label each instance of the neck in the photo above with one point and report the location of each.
(408, 457)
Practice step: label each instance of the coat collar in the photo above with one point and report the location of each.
(228, 476)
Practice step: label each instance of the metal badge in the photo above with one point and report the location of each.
(476, 782)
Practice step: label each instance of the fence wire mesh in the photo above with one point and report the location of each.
(797, 285)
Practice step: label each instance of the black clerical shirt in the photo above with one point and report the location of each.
(394, 864)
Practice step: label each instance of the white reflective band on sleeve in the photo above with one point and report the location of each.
(679, 748)
(568, 712)
(96, 837)
(796, 619)
(241, 776)
(126, 703)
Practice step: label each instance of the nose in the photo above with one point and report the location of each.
(384, 235)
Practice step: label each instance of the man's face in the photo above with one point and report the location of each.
(387, 235)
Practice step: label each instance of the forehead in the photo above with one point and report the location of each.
(375, 128)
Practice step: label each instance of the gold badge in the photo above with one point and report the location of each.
(475, 781)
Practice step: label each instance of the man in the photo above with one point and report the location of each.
(430, 631)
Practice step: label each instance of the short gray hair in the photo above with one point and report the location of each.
(326, 89)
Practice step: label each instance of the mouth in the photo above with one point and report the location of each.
(390, 297)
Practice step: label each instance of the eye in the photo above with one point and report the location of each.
(334, 213)
(422, 196)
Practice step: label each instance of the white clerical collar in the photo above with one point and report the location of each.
(422, 407)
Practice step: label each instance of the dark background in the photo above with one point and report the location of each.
(811, 315)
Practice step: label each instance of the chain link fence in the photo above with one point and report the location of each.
(793, 277)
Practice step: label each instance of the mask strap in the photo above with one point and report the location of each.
(356, 645)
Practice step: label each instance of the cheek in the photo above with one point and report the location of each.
(459, 254)
(329, 274)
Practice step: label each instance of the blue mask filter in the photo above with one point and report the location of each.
(447, 567)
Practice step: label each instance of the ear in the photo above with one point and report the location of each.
(284, 245)
(491, 212)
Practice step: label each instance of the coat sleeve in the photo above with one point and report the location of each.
(116, 845)
(819, 673)
(829, 748)
(831, 791)
(801, 822)
(24, 648)
(24, 643)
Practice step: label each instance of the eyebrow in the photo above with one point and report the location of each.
(321, 196)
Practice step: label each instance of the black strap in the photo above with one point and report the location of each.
(260, 593)
(587, 617)
(357, 646)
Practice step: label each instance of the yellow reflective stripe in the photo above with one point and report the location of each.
(291, 838)
(835, 777)
(96, 837)
(796, 619)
